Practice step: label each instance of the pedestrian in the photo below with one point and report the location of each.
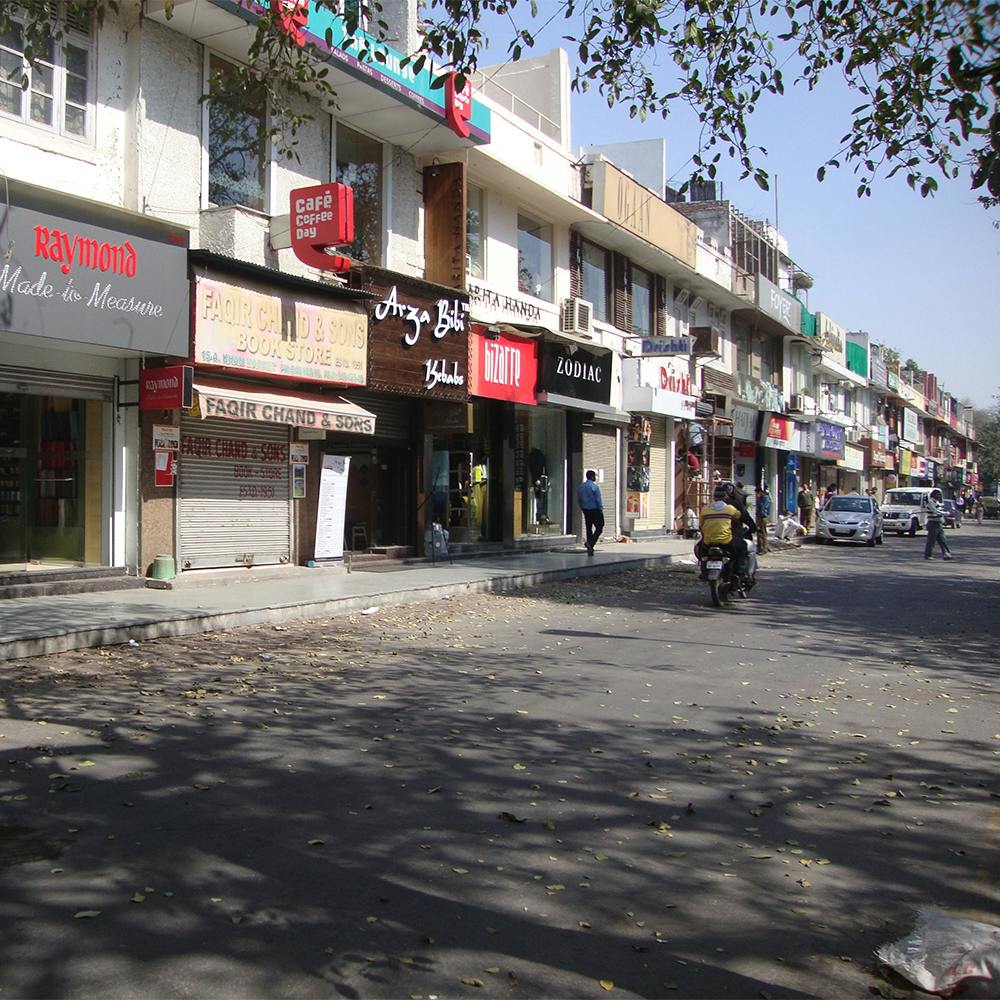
(763, 515)
(935, 527)
(831, 492)
(592, 506)
(807, 507)
(959, 508)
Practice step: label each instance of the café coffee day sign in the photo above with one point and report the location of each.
(420, 342)
(259, 330)
(91, 274)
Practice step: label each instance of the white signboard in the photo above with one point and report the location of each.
(298, 453)
(166, 437)
(332, 507)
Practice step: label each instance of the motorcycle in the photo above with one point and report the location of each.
(717, 569)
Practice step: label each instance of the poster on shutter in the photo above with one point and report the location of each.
(637, 505)
(164, 468)
(332, 507)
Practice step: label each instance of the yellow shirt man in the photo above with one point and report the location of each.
(717, 522)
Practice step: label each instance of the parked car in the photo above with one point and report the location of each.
(850, 519)
(951, 518)
(905, 509)
(991, 508)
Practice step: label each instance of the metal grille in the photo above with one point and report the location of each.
(600, 446)
(234, 499)
(658, 454)
(393, 414)
(36, 382)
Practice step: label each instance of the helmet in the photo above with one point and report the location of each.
(721, 491)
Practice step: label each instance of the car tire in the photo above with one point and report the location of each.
(881, 538)
(913, 528)
(872, 542)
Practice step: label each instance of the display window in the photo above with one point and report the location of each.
(540, 469)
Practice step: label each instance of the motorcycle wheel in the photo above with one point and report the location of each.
(720, 590)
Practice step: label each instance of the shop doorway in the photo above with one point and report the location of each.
(50, 481)
(380, 497)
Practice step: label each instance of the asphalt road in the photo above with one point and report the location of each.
(603, 787)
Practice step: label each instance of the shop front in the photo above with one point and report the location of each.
(829, 453)
(851, 469)
(657, 392)
(418, 385)
(779, 440)
(574, 397)
(85, 289)
(236, 479)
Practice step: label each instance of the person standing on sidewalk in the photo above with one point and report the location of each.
(763, 515)
(935, 527)
(807, 507)
(588, 493)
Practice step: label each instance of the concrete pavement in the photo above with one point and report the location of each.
(230, 598)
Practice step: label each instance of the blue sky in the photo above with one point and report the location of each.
(919, 274)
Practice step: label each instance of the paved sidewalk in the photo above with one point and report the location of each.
(40, 625)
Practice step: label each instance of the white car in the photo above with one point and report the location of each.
(905, 509)
(850, 519)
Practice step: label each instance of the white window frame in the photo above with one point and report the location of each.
(540, 220)
(483, 223)
(388, 168)
(82, 40)
(268, 151)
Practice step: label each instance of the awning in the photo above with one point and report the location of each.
(233, 401)
(572, 403)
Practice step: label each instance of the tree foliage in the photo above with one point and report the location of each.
(988, 444)
(926, 72)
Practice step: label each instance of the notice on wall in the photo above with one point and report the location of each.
(298, 453)
(332, 507)
(166, 437)
(164, 468)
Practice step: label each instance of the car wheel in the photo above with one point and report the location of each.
(913, 528)
(872, 541)
(881, 538)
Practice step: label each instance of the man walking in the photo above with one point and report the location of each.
(763, 514)
(592, 506)
(935, 527)
(807, 507)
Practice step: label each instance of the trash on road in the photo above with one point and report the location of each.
(944, 954)
(371, 611)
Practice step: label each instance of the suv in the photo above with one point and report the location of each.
(904, 509)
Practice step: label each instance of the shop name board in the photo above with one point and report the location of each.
(778, 433)
(245, 328)
(578, 373)
(504, 368)
(779, 305)
(450, 316)
(275, 413)
(744, 423)
(765, 395)
(458, 104)
(169, 388)
(663, 347)
(88, 274)
(829, 441)
(674, 381)
(911, 425)
(437, 370)
(506, 306)
(321, 216)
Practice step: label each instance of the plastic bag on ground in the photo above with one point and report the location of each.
(948, 956)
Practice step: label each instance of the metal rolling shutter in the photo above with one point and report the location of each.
(658, 475)
(393, 414)
(233, 510)
(599, 452)
(37, 382)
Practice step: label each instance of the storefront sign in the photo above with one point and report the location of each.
(829, 441)
(779, 305)
(911, 426)
(918, 467)
(745, 423)
(166, 437)
(575, 372)
(169, 388)
(662, 387)
(298, 452)
(746, 449)
(804, 441)
(458, 104)
(491, 306)
(877, 455)
(831, 337)
(420, 342)
(764, 395)
(778, 432)
(89, 274)
(321, 216)
(663, 347)
(503, 367)
(854, 458)
(269, 332)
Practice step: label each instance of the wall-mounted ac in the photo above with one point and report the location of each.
(577, 317)
(797, 405)
(707, 340)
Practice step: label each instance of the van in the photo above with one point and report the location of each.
(904, 509)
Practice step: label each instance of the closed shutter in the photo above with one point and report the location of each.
(393, 415)
(600, 448)
(658, 454)
(36, 382)
(234, 498)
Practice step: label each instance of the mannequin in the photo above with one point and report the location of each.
(540, 481)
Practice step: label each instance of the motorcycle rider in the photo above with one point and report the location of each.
(720, 523)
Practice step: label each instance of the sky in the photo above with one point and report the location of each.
(919, 274)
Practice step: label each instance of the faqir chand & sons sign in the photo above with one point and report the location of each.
(88, 273)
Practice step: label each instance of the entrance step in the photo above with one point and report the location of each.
(50, 583)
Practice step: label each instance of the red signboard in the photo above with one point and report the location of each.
(291, 17)
(319, 217)
(503, 367)
(458, 104)
(169, 388)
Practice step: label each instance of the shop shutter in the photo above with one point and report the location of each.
(658, 455)
(233, 511)
(600, 451)
(393, 414)
(37, 382)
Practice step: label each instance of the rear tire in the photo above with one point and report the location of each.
(719, 591)
(913, 528)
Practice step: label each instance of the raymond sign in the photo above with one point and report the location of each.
(319, 217)
(458, 105)
(169, 388)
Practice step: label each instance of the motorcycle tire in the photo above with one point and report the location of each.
(720, 591)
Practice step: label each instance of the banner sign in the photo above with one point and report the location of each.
(573, 371)
(778, 432)
(503, 367)
(829, 441)
(331, 510)
(169, 388)
(664, 347)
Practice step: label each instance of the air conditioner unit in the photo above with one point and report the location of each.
(696, 303)
(577, 317)
(681, 296)
(797, 405)
(707, 340)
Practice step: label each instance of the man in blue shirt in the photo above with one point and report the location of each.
(592, 506)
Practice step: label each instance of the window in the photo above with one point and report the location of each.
(475, 233)
(534, 257)
(58, 92)
(359, 164)
(642, 302)
(595, 273)
(237, 147)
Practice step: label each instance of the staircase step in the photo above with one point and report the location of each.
(56, 575)
(78, 586)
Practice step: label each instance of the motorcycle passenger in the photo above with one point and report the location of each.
(738, 499)
(720, 526)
